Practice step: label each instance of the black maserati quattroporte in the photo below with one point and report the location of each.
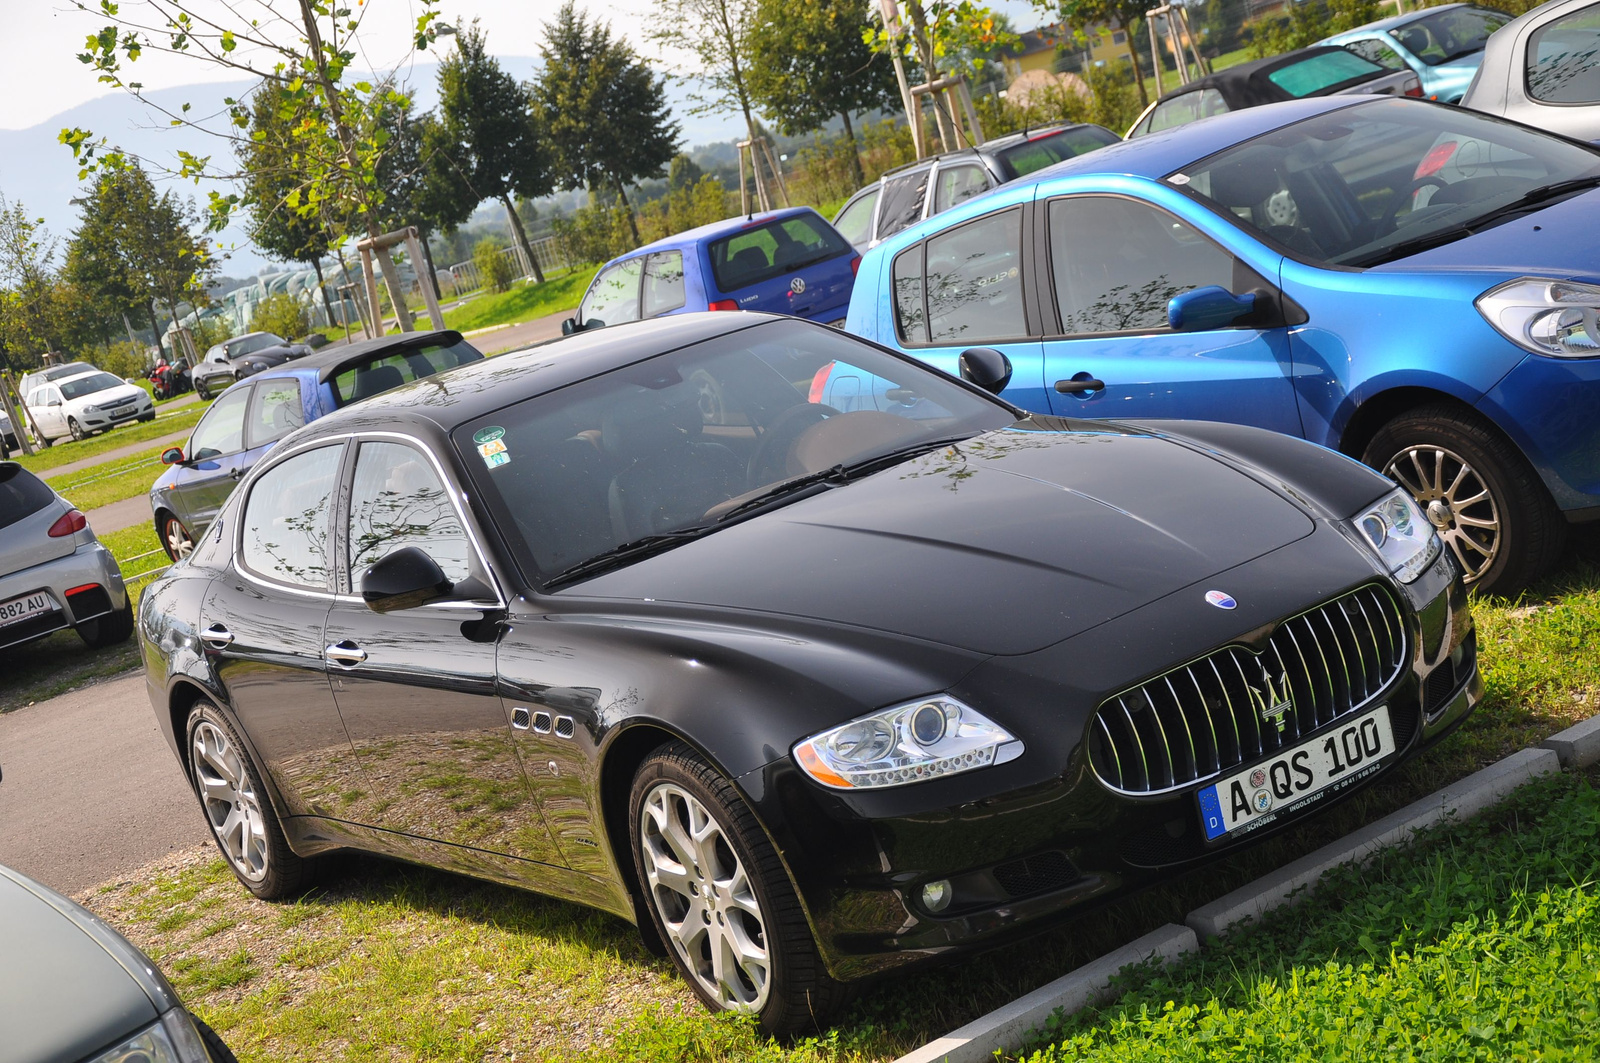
(809, 660)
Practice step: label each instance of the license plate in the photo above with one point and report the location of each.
(29, 605)
(1297, 777)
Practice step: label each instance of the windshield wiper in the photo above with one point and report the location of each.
(627, 552)
(1455, 232)
(837, 474)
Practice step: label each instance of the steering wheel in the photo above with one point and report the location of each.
(779, 437)
(1401, 198)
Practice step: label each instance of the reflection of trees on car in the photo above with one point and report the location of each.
(1124, 308)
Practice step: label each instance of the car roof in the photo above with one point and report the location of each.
(330, 362)
(469, 391)
(988, 147)
(1159, 154)
(1392, 22)
(715, 229)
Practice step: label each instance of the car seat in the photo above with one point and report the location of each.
(748, 260)
(371, 381)
(670, 476)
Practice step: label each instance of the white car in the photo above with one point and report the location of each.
(79, 406)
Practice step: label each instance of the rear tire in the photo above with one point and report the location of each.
(239, 810)
(720, 898)
(175, 538)
(1486, 501)
(108, 630)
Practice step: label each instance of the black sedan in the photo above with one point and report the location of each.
(233, 360)
(811, 661)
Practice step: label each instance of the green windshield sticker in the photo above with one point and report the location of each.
(494, 461)
(488, 435)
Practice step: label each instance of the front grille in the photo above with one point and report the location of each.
(1039, 873)
(1235, 705)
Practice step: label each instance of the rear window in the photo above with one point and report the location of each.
(1019, 160)
(22, 494)
(390, 369)
(773, 249)
(1322, 71)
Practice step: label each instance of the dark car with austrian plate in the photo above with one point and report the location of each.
(810, 660)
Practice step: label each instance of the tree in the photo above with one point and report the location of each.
(811, 61)
(715, 33)
(683, 172)
(1124, 15)
(489, 123)
(29, 292)
(308, 51)
(603, 109)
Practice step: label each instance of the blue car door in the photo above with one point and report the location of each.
(1114, 263)
(965, 287)
(216, 459)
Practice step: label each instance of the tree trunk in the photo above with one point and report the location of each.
(942, 120)
(1138, 74)
(633, 223)
(322, 286)
(855, 152)
(391, 280)
(155, 328)
(522, 239)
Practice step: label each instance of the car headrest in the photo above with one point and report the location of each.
(748, 260)
(379, 378)
(1244, 182)
(639, 425)
(1414, 39)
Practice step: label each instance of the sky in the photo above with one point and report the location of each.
(41, 76)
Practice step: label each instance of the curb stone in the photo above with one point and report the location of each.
(1472, 794)
(1578, 746)
(1005, 1027)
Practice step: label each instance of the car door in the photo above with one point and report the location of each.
(417, 687)
(1115, 262)
(662, 288)
(215, 460)
(957, 183)
(967, 287)
(613, 298)
(46, 418)
(261, 624)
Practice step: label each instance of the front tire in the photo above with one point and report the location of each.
(201, 390)
(720, 899)
(78, 434)
(1482, 496)
(238, 810)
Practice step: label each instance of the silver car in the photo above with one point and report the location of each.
(72, 989)
(1544, 69)
(54, 573)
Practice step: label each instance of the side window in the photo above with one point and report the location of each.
(974, 281)
(614, 297)
(956, 183)
(1375, 51)
(908, 296)
(855, 221)
(275, 410)
(1190, 107)
(1564, 58)
(663, 283)
(903, 197)
(397, 500)
(221, 430)
(1117, 261)
(286, 519)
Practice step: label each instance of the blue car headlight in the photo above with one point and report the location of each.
(923, 739)
(1400, 532)
(1560, 318)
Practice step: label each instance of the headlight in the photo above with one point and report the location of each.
(1400, 532)
(1546, 316)
(172, 1040)
(922, 739)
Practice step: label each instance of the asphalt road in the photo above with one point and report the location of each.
(89, 787)
(513, 336)
(118, 515)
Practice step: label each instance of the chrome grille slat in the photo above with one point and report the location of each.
(1227, 696)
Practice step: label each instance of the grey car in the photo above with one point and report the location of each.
(1543, 69)
(54, 573)
(71, 989)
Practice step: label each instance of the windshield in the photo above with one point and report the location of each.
(79, 386)
(21, 493)
(676, 443)
(1047, 149)
(1366, 184)
(1448, 35)
(763, 252)
(247, 344)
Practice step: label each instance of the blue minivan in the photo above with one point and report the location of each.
(782, 261)
(1412, 284)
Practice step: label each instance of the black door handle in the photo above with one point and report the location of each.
(1074, 387)
(236, 472)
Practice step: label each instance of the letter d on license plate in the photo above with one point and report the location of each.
(1261, 793)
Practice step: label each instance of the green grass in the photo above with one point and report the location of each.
(524, 302)
(102, 485)
(165, 424)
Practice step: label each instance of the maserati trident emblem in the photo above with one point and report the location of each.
(1276, 701)
(1221, 599)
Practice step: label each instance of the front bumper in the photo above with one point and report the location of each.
(95, 420)
(89, 571)
(1040, 838)
(1548, 407)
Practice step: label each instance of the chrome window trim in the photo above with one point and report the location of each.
(457, 500)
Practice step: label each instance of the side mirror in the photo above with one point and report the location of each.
(1207, 308)
(987, 368)
(172, 456)
(52, 402)
(402, 580)
(130, 380)
(570, 325)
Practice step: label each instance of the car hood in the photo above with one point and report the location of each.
(1556, 241)
(100, 398)
(62, 994)
(1003, 544)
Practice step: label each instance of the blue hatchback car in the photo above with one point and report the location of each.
(782, 261)
(1412, 284)
(1443, 45)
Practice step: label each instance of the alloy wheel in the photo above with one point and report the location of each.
(177, 537)
(1457, 501)
(705, 899)
(228, 795)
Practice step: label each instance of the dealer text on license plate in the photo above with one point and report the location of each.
(17, 610)
(1259, 794)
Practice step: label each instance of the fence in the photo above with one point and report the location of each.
(546, 251)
